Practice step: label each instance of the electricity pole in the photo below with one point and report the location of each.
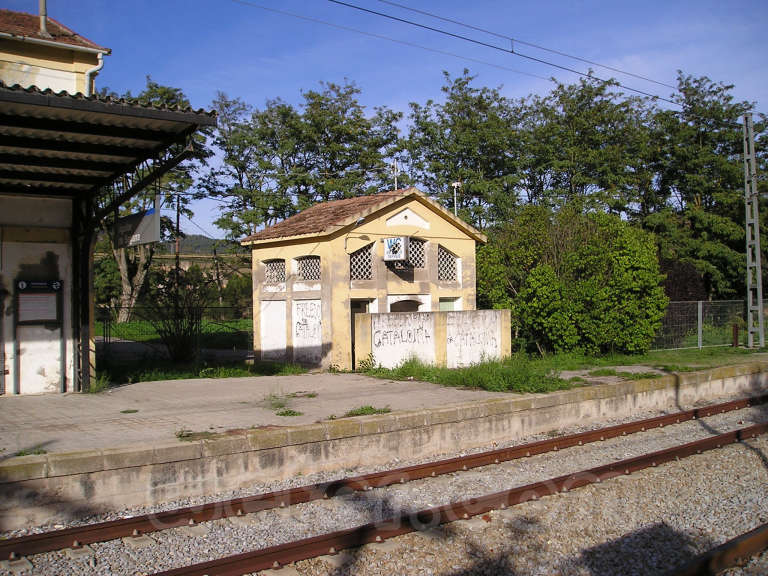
(755, 320)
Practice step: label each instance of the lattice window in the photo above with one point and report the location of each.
(416, 253)
(361, 263)
(308, 268)
(274, 271)
(446, 265)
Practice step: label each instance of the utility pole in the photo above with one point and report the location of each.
(755, 315)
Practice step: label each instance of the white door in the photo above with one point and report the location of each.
(272, 320)
(39, 359)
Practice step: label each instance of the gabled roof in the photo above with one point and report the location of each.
(329, 217)
(22, 25)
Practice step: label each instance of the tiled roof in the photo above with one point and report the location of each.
(321, 217)
(23, 24)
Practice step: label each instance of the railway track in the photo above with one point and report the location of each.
(279, 555)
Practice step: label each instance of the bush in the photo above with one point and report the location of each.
(574, 281)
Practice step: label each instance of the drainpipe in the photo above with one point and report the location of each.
(91, 72)
(44, 20)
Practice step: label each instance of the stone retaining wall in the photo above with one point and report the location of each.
(56, 487)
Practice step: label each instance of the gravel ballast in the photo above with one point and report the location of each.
(634, 525)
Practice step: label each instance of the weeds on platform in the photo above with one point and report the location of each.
(515, 374)
(366, 410)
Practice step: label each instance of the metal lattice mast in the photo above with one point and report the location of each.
(754, 268)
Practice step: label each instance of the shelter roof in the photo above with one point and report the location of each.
(58, 144)
(328, 217)
(22, 25)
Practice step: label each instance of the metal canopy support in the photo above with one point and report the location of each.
(755, 315)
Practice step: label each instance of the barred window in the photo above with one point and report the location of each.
(361, 263)
(274, 271)
(308, 268)
(416, 253)
(446, 265)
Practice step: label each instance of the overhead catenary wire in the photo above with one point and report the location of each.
(524, 43)
(499, 48)
(389, 39)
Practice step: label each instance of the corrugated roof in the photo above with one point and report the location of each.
(64, 145)
(62, 96)
(28, 25)
(329, 216)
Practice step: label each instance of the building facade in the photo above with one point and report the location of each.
(39, 51)
(390, 252)
(69, 160)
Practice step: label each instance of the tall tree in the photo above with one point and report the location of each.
(470, 138)
(700, 183)
(175, 187)
(280, 159)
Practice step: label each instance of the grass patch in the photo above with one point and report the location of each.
(166, 370)
(102, 382)
(521, 373)
(275, 401)
(288, 412)
(31, 452)
(515, 374)
(129, 411)
(367, 411)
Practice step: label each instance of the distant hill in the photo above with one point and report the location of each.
(193, 244)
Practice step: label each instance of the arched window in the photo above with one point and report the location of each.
(361, 263)
(274, 271)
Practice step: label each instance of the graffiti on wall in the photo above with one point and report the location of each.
(307, 331)
(400, 336)
(472, 337)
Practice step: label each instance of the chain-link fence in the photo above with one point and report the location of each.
(698, 324)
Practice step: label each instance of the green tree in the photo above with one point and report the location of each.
(133, 263)
(279, 159)
(470, 138)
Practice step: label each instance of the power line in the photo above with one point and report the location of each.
(532, 45)
(499, 48)
(388, 39)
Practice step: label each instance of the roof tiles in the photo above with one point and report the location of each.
(321, 217)
(28, 25)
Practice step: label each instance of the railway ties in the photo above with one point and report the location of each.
(407, 521)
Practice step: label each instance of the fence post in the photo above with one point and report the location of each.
(700, 323)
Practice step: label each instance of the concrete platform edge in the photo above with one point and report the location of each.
(53, 487)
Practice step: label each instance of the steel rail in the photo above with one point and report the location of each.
(726, 555)
(280, 555)
(77, 536)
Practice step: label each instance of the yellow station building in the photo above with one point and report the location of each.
(395, 251)
(39, 51)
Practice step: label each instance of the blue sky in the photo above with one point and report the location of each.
(205, 46)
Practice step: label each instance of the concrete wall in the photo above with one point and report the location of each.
(59, 69)
(57, 487)
(35, 246)
(407, 217)
(452, 339)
